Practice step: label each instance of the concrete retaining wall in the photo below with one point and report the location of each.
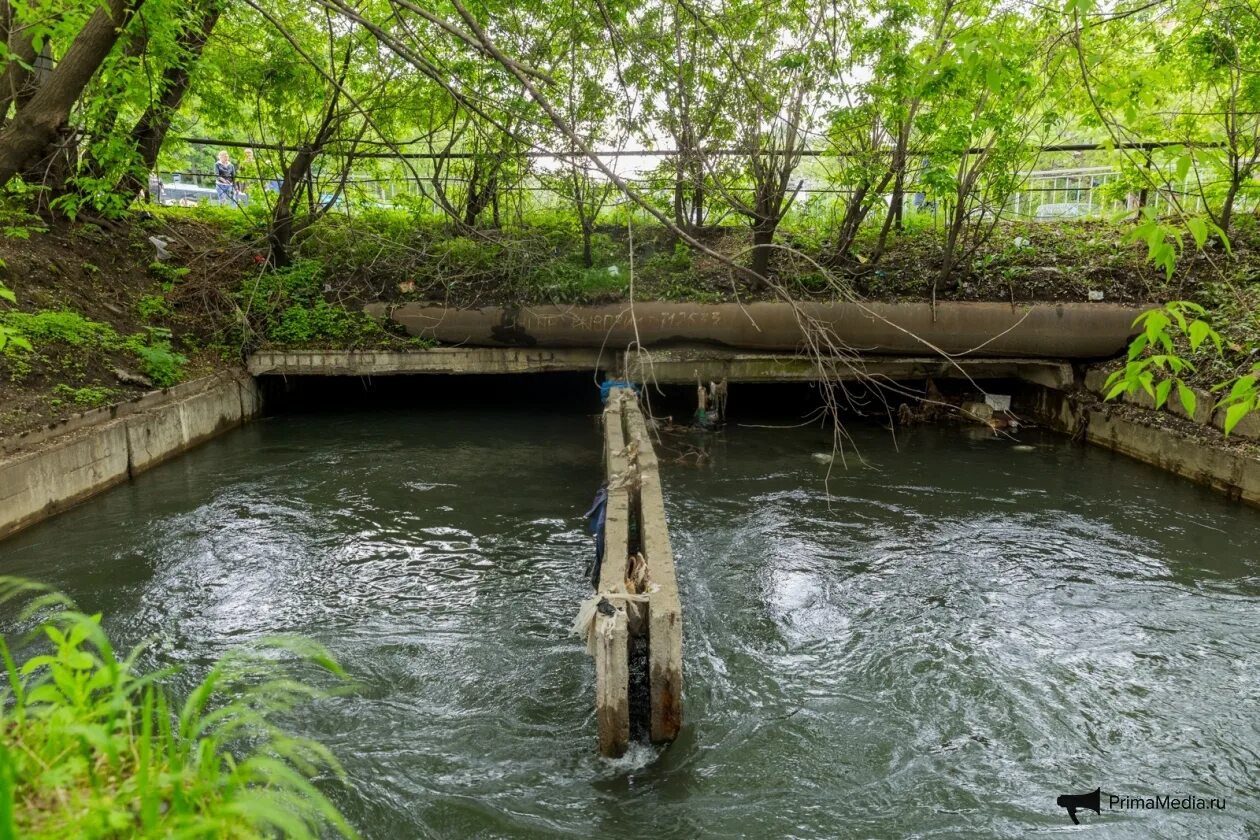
(1204, 414)
(1152, 437)
(62, 465)
(1235, 473)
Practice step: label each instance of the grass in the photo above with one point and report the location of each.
(85, 397)
(46, 331)
(92, 747)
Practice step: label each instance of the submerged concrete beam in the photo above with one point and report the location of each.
(687, 365)
(468, 360)
(612, 682)
(665, 678)
(638, 585)
(612, 650)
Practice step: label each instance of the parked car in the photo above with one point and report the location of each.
(179, 194)
(1063, 210)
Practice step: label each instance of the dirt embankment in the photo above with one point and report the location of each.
(106, 320)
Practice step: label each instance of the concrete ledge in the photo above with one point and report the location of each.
(1234, 473)
(97, 416)
(467, 360)
(107, 446)
(664, 366)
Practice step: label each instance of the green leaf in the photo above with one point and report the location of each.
(1220, 234)
(1235, 414)
(1137, 346)
(1183, 167)
(1198, 229)
(1162, 391)
(1199, 331)
(1187, 398)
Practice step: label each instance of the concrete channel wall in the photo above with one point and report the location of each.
(638, 561)
(1159, 438)
(43, 473)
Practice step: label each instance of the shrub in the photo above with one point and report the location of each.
(8, 335)
(149, 307)
(92, 747)
(157, 359)
(290, 309)
(170, 275)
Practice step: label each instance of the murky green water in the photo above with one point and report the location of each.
(963, 633)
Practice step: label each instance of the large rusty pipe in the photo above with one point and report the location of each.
(1059, 330)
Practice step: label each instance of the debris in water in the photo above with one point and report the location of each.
(823, 457)
(1023, 447)
(998, 402)
(978, 411)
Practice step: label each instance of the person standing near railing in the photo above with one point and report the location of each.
(225, 179)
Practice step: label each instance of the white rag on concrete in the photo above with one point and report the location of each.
(584, 625)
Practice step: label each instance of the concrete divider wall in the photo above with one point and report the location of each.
(612, 674)
(665, 678)
(638, 562)
(97, 450)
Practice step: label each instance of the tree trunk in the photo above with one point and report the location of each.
(150, 130)
(37, 124)
(681, 216)
(1227, 209)
(16, 82)
(762, 238)
(958, 218)
(280, 232)
(854, 213)
(479, 199)
(898, 197)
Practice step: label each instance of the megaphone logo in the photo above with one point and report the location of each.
(1074, 802)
